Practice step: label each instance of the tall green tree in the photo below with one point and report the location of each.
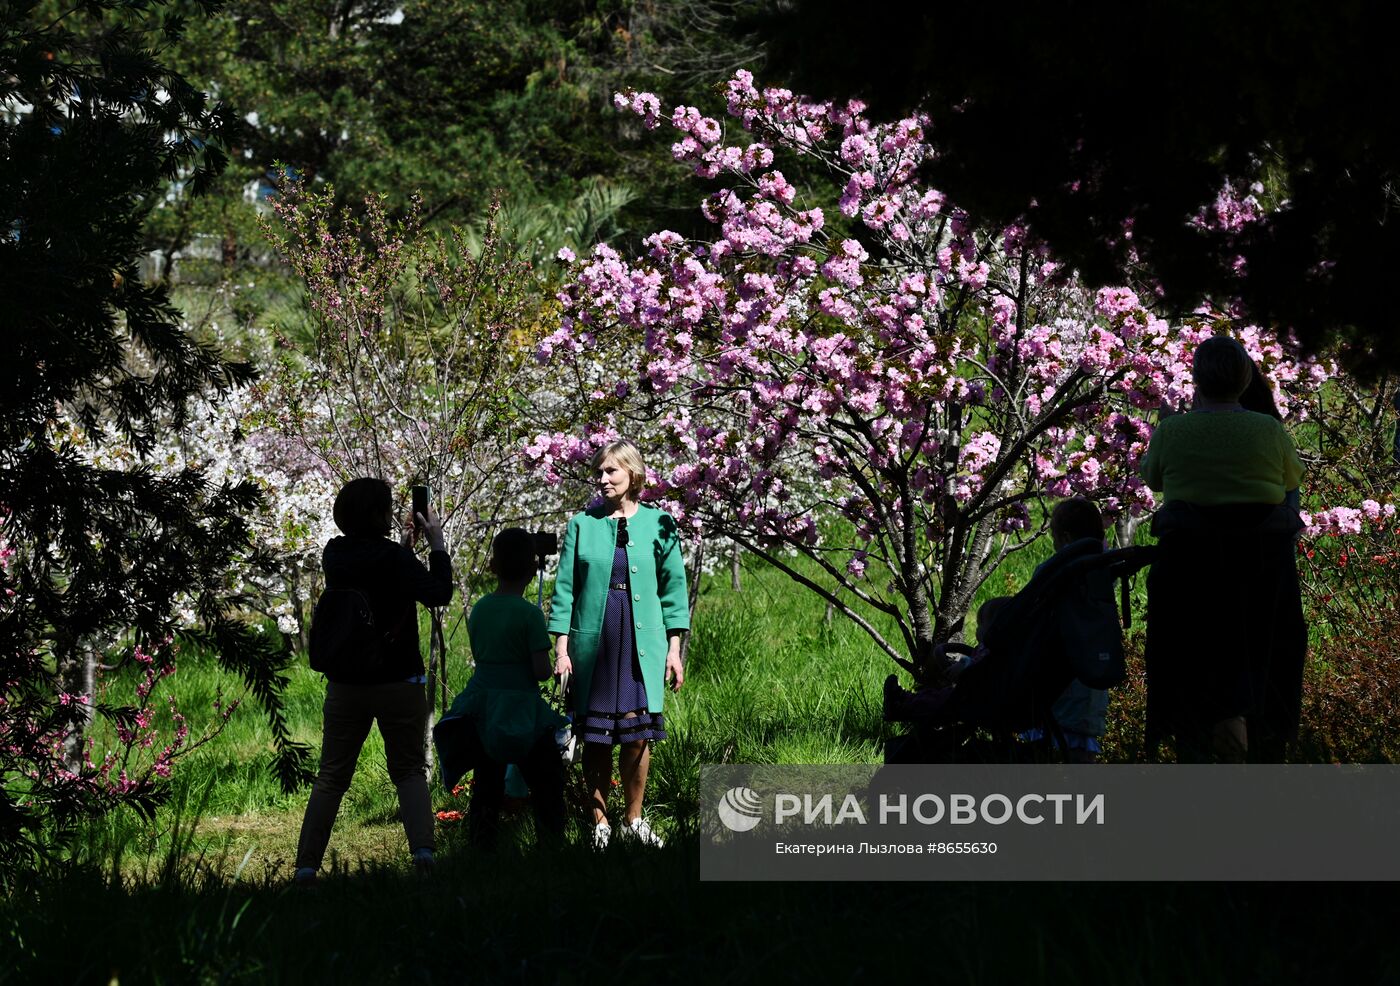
(97, 559)
(451, 101)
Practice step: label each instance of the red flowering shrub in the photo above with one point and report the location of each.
(1351, 700)
(1127, 710)
(1351, 696)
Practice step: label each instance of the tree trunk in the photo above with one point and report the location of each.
(1124, 528)
(735, 580)
(78, 676)
(693, 591)
(437, 670)
(298, 601)
(444, 684)
(960, 580)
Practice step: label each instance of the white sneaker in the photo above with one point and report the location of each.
(641, 831)
(601, 833)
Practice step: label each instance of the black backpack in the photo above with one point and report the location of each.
(344, 640)
(1089, 631)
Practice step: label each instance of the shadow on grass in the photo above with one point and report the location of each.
(632, 914)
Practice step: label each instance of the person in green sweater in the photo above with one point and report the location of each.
(510, 721)
(1223, 659)
(619, 608)
(1219, 453)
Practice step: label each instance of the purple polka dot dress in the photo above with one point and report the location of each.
(617, 701)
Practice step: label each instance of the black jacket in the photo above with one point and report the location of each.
(392, 579)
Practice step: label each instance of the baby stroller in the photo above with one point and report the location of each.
(1063, 625)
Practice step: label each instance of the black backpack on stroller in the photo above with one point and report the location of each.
(1063, 625)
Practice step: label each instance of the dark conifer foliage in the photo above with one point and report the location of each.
(1102, 113)
(92, 127)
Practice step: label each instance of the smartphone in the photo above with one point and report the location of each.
(420, 503)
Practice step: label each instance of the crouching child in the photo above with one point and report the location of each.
(500, 718)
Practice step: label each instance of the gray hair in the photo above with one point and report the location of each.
(1221, 369)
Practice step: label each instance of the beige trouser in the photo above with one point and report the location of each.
(401, 710)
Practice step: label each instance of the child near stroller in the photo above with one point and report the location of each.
(1043, 661)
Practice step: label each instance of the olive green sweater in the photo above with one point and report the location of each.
(1213, 458)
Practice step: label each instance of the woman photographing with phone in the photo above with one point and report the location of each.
(364, 563)
(619, 608)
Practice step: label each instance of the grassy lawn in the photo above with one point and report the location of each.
(769, 680)
(203, 895)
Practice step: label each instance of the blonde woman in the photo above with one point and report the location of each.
(619, 609)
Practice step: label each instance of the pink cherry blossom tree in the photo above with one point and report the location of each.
(883, 387)
(865, 376)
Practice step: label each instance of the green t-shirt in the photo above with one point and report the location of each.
(1213, 458)
(506, 630)
(503, 698)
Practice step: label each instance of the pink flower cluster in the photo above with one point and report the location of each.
(1340, 521)
(644, 104)
(1232, 210)
(554, 455)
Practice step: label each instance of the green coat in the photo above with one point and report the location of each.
(659, 599)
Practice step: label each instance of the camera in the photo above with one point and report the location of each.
(546, 544)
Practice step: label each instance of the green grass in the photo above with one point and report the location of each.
(203, 895)
(769, 680)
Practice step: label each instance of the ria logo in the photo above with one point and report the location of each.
(740, 809)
